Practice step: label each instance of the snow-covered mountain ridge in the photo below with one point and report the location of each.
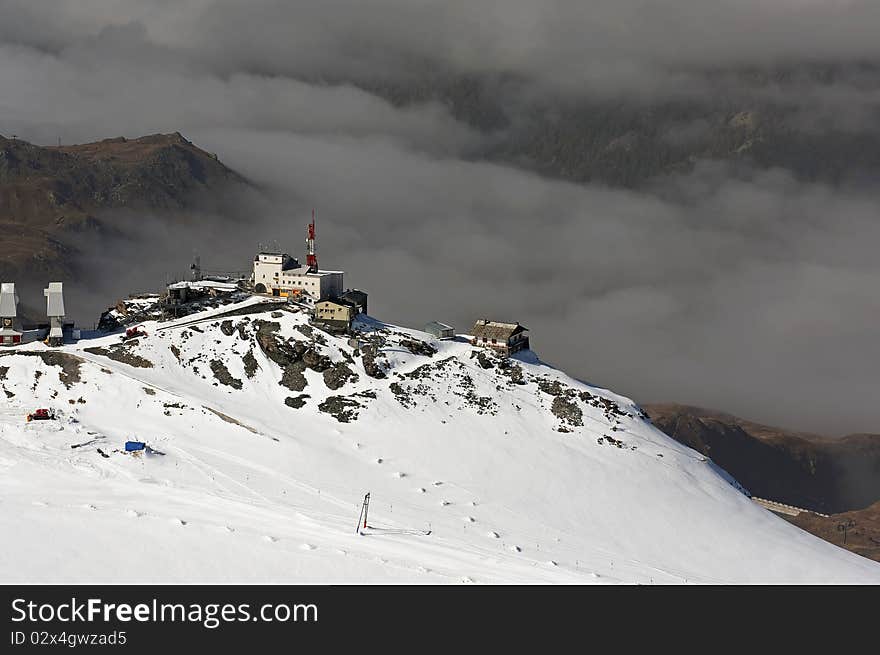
(265, 433)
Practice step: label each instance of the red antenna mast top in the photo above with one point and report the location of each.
(311, 257)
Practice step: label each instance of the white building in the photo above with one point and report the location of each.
(55, 311)
(282, 275)
(9, 335)
(9, 332)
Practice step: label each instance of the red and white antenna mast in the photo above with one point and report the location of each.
(311, 257)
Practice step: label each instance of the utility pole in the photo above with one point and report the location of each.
(843, 527)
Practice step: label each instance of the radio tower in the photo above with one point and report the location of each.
(311, 257)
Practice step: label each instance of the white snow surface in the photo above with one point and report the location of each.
(470, 478)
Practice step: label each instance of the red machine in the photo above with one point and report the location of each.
(134, 332)
(41, 415)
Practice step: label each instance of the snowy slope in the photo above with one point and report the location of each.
(479, 471)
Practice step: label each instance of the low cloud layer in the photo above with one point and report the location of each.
(744, 290)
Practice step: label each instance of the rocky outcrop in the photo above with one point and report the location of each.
(343, 408)
(567, 411)
(337, 375)
(223, 375)
(370, 355)
(297, 402)
(122, 353)
(418, 347)
(293, 377)
(250, 364)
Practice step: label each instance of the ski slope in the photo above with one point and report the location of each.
(477, 473)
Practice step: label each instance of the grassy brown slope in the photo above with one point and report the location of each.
(862, 537)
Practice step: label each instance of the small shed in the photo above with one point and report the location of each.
(440, 330)
(507, 338)
(335, 314)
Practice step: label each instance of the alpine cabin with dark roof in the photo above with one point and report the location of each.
(507, 338)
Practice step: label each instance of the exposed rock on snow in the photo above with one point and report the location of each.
(418, 347)
(297, 402)
(250, 364)
(122, 353)
(223, 375)
(565, 409)
(337, 375)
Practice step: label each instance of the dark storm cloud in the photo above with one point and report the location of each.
(749, 291)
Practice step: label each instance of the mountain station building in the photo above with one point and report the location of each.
(280, 274)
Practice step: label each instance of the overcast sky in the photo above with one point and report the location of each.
(746, 291)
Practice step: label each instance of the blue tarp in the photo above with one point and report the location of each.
(134, 445)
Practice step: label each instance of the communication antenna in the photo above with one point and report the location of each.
(196, 268)
(311, 256)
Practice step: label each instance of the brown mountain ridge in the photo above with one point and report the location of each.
(48, 194)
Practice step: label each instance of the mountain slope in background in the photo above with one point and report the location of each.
(821, 474)
(862, 529)
(51, 195)
(265, 434)
(793, 117)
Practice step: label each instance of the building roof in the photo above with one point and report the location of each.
(342, 302)
(203, 284)
(496, 330)
(303, 271)
(437, 325)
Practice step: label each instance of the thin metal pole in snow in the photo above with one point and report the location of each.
(364, 507)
